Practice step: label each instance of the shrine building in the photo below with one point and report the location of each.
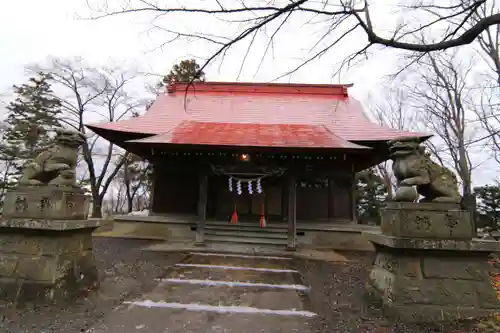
(253, 162)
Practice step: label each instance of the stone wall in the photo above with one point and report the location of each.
(156, 227)
(428, 267)
(149, 230)
(46, 202)
(341, 239)
(414, 285)
(41, 264)
(426, 220)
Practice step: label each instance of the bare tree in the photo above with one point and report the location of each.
(488, 89)
(118, 199)
(114, 203)
(134, 175)
(488, 114)
(91, 95)
(336, 19)
(130, 189)
(489, 39)
(392, 109)
(443, 98)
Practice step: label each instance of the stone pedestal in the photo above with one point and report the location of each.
(46, 245)
(46, 203)
(428, 266)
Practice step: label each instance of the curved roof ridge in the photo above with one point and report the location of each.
(354, 145)
(260, 87)
(343, 116)
(351, 122)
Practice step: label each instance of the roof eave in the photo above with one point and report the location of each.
(99, 128)
(421, 137)
(360, 149)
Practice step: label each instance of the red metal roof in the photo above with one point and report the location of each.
(209, 107)
(253, 135)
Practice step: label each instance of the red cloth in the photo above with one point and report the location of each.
(234, 217)
(262, 221)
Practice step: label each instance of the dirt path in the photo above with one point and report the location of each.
(217, 293)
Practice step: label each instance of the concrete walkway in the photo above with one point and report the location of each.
(223, 293)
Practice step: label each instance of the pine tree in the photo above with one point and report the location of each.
(370, 196)
(186, 71)
(28, 128)
(488, 205)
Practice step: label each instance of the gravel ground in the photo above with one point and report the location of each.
(125, 272)
(337, 296)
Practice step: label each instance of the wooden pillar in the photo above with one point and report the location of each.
(202, 209)
(153, 185)
(331, 197)
(353, 199)
(292, 213)
(284, 201)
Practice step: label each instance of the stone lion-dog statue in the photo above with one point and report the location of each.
(412, 168)
(57, 164)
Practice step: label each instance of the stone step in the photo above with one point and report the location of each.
(245, 233)
(157, 318)
(254, 228)
(241, 275)
(236, 296)
(268, 262)
(244, 240)
(269, 226)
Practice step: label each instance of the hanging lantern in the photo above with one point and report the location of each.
(250, 190)
(230, 184)
(245, 157)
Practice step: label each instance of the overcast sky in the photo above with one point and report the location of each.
(32, 30)
(53, 28)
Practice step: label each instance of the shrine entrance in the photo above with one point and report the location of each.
(246, 196)
(249, 207)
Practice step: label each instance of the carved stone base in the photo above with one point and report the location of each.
(43, 260)
(430, 280)
(46, 202)
(427, 220)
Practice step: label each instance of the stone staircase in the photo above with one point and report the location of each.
(248, 233)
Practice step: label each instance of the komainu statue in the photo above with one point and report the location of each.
(56, 165)
(413, 167)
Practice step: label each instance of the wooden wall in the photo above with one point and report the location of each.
(341, 203)
(175, 190)
(312, 203)
(327, 200)
(325, 184)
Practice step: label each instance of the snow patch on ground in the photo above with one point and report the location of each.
(235, 284)
(239, 268)
(220, 308)
(139, 213)
(227, 255)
